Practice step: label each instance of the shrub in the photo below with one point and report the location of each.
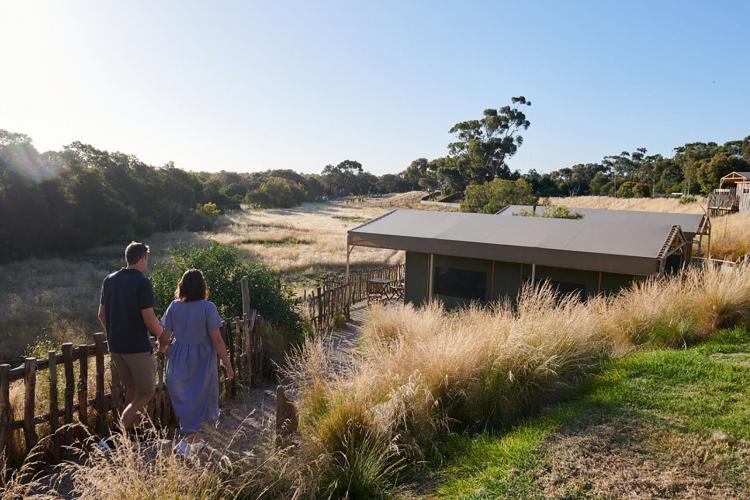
(203, 217)
(277, 192)
(552, 212)
(223, 269)
(686, 200)
(496, 194)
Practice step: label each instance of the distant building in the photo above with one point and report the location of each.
(463, 257)
(733, 194)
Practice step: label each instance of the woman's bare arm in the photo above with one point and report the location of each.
(221, 350)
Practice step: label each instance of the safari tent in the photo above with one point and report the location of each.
(463, 257)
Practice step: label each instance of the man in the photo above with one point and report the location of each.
(126, 311)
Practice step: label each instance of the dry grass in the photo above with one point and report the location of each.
(44, 302)
(307, 240)
(145, 467)
(423, 373)
(730, 236)
(643, 204)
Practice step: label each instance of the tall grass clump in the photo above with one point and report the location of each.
(424, 373)
(730, 236)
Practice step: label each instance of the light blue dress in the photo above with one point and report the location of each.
(192, 370)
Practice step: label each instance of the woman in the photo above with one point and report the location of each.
(192, 374)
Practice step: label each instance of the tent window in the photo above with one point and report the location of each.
(460, 283)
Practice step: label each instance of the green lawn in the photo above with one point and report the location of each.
(683, 410)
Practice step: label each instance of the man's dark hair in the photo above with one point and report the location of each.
(192, 286)
(135, 251)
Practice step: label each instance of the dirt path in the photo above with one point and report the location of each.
(247, 424)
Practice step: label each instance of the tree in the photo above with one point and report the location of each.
(341, 180)
(708, 172)
(277, 192)
(496, 194)
(486, 144)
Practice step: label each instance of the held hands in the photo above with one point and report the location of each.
(164, 342)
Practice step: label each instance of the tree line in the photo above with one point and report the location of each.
(483, 147)
(57, 202)
(62, 201)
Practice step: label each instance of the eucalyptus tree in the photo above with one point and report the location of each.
(486, 144)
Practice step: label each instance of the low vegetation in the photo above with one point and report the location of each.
(658, 423)
(730, 236)
(425, 374)
(673, 205)
(223, 268)
(550, 212)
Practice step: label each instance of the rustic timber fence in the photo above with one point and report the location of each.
(244, 345)
(336, 295)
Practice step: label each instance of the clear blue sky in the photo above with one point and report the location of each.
(254, 85)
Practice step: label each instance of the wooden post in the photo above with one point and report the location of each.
(116, 390)
(286, 418)
(83, 385)
(54, 412)
(101, 411)
(29, 380)
(67, 352)
(247, 319)
(320, 309)
(4, 412)
(232, 360)
(240, 363)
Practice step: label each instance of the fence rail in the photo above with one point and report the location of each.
(64, 378)
(336, 295)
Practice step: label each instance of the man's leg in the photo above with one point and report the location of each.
(130, 415)
(142, 367)
(130, 394)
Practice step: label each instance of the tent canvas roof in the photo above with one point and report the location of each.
(593, 244)
(689, 223)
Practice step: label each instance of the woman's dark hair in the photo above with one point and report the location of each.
(192, 286)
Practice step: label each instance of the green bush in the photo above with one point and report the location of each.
(203, 217)
(223, 269)
(550, 212)
(496, 194)
(277, 192)
(686, 200)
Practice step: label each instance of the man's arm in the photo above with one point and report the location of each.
(102, 317)
(152, 323)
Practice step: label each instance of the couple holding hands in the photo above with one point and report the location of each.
(189, 334)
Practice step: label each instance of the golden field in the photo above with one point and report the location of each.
(44, 302)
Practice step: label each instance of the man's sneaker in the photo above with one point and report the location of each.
(105, 446)
(188, 450)
(181, 448)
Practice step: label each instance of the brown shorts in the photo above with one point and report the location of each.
(137, 370)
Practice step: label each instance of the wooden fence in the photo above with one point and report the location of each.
(336, 295)
(72, 364)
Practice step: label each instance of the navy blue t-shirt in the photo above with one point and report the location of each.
(124, 294)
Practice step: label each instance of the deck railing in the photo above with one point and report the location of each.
(334, 298)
